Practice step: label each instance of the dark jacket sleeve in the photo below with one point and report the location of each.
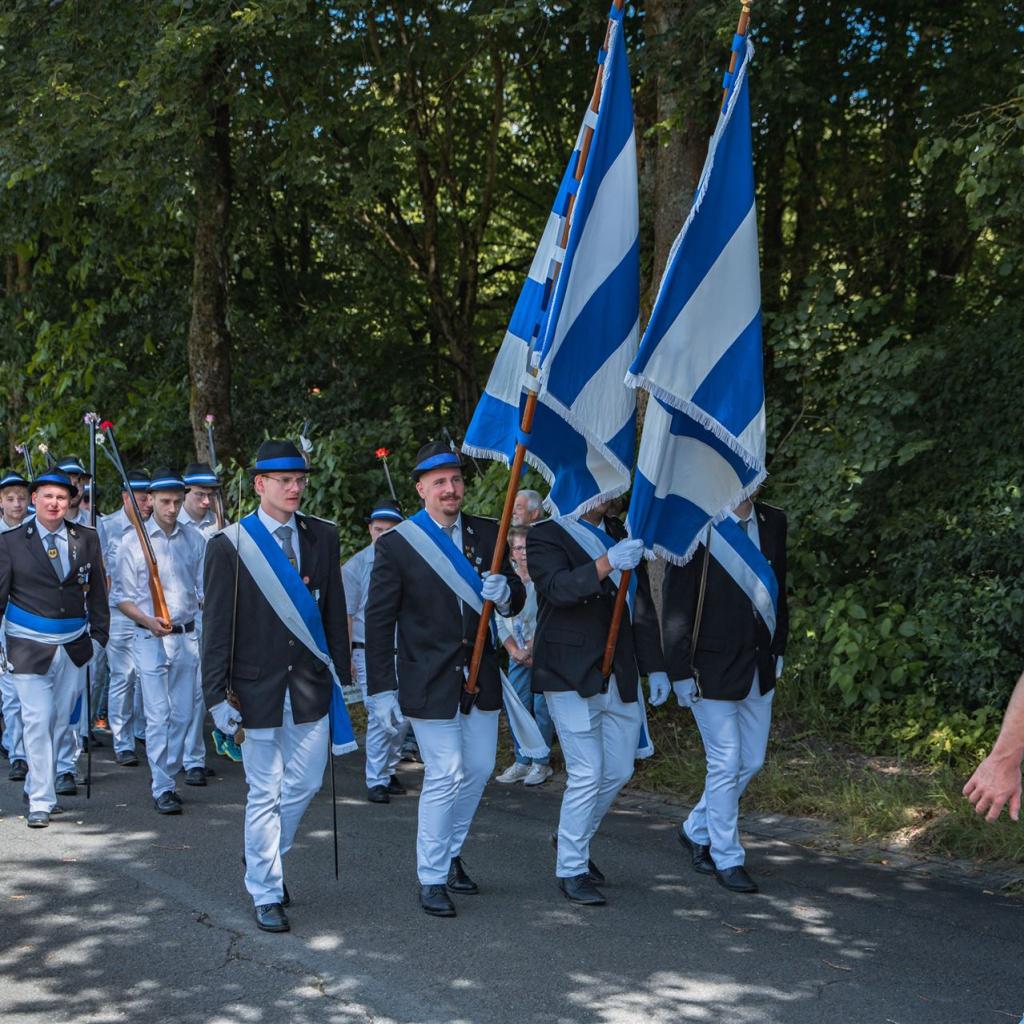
(381, 616)
(560, 585)
(96, 599)
(646, 631)
(335, 613)
(218, 602)
(779, 565)
(679, 606)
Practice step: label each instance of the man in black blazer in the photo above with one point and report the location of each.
(54, 595)
(728, 676)
(412, 604)
(258, 674)
(576, 569)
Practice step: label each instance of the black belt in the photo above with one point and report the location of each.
(188, 627)
(358, 645)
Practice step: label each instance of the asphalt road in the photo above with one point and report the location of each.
(117, 914)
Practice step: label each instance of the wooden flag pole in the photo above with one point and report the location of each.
(620, 597)
(530, 407)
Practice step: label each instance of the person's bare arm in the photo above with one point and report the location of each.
(997, 782)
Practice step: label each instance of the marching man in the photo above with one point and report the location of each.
(13, 509)
(724, 650)
(275, 638)
(166, 648)
(576, 567)
(426, 582)
(54, 598)
(383, 747)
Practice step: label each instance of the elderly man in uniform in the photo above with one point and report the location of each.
(124, 704)
(14, 500)
(260, 671)
(166, 649)
(53, 595)
(383, 747)
(726, 671)
(197, 514)
(576, 567)
(426, 584)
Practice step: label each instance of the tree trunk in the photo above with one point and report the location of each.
(209, 340)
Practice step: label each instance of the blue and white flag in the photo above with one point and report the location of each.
(578, 330)
(703, 445)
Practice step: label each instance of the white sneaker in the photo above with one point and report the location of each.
(515, 772)
(538, 773)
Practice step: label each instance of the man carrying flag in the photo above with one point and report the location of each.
(426, 585)
(274, 654)
(702, 458)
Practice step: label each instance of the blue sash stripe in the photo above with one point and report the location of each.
(41, 623)
(736, 537)
(342, 734)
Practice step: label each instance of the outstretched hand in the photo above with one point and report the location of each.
(995, 783)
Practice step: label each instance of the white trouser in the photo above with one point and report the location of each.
(123, 682)
(13, 732)
(383, 752)
(46, 703)
(167, 673)
(71, 743)
(195, 737)
(735, 735)
(284, 769)
(598, 736)
(458, 758)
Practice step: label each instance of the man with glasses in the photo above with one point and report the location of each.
(273, 596)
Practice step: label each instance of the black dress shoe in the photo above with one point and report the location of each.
(272, 918)
(459, 881)
(736, 880)
(195, 777)
(435, 901)
(19, 770)
(378, 795)
(582, 890)
(209, 773)
(55, 810)
(595, 873)
(176, 798)
(166, 804)
(395, 788)
(700, 855)
(37, 819)
(66, 785)
(127, 759)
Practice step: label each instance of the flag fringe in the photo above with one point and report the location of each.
(699, 415)
(660, 551)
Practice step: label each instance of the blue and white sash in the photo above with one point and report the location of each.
(454, 569)
(43, 630)
(595, 542)
(280, 583)
(743, 560)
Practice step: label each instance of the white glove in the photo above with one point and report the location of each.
(626, 554)
(778, 668)
(226, 718)
(660, 689)
(384, 708)
(496, 589)
(685, 690)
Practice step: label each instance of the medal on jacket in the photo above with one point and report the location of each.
(52, 552)
(83, 574)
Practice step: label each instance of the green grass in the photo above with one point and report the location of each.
(812, 770)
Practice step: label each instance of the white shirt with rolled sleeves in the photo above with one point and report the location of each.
(355, 575)
(179, 559)
(205, 527)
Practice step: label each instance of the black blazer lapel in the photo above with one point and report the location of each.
(33, 539)
(74, 549)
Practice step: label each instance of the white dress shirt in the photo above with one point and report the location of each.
(205, 527)
(355, 576)
(272, 524)
(179, 558)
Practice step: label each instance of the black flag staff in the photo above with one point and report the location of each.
(91, 420)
